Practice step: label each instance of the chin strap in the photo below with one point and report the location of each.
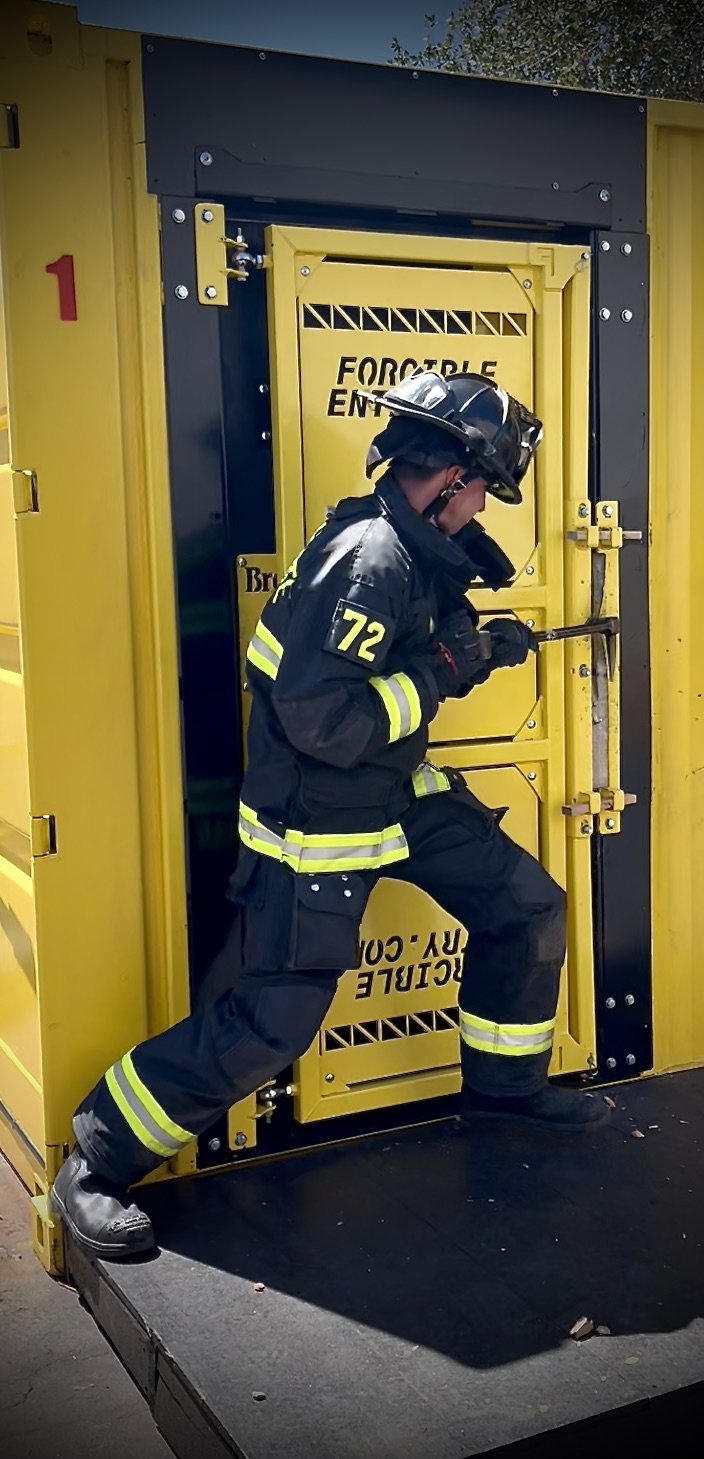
(432, 512)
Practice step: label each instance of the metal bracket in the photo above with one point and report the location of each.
(212, 244)
(603, 806)
(42, 835)
(24, 492)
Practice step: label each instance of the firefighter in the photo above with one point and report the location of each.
(368, 632)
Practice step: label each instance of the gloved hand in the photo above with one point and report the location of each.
(457, 663)
(511, 642)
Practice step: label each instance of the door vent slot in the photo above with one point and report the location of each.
(383, 1030)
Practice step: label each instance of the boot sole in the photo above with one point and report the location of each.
(567, 1127)
(109, 1249)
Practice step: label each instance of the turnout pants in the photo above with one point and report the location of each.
(290, 941)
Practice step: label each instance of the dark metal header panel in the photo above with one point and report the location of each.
(308, 130)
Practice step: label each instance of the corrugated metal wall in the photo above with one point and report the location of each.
(676, 224)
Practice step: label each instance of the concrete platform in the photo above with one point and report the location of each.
(419, 1289)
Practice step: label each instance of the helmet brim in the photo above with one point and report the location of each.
(501, 486)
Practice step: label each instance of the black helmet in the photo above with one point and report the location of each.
(496, 435)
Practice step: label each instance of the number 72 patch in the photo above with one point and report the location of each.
(359, 633)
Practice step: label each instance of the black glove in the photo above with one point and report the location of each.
(511, 642)
(457, 663)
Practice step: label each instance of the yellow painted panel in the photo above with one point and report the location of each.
(20, 1055)
(14, 786)
(676, 225)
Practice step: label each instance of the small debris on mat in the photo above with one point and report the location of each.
(653, 1127)
(582, 1328)
(637, 1135)
(259, 1287)
(609, 1101)
(258, 1397)
(603, 1331)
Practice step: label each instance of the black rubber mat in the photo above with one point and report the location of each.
(419, 1289)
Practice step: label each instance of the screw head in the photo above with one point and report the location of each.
(245, 685)
(210, 291)
(630, 1058)
(605, 245)
(241, 562)
(206, 158)
(178, 215)
(608, 511)
(530, 623)
(530, 724)
(585, 671)
(555, 92)
(266, 435)
(214, 1145)
(315, 886)
(610, 823)
(629, 1000)
(556, 187)
(240, 1139)
(583, 510)
(626, 315)
(262, 55)
(586, 828)
(305, 272)
(611, 1063)
(611, 1003)
(626, 248)
(414, 76)
(604, 313)
(347, 893)
(207, 215)
(263, 389)
(527, 283)
(329, 1078)
(181, 291)
(529, 572)
(604, 194)
(531, 774)
(586, 254)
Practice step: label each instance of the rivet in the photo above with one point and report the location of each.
(262, 55)
(586, 255)
(583, 510)
(527, 283)
(626, 248)
(348, 893)
(610, 823)
(626, 315)
(604, 194)
(611, 1003)
(245, 685)
(530, 623)
(241, 562)
(641, 109)
(555, 92)
(240, 1139)
(305, 272)
(206, 159)
(630, 1058)
(604, 313)
(556, 187)
(214, 1145)
(530, 571)
(263, 389)
(210, 291)
(178, 215)
(315, 887)
(531, 775)
(329, 1078)
(611, 1063)
(151, 52)
(604, 245)
(414, 76)
(586, 828)
(608, 512)
(344, 876)
(584, 671)
(266, 435)
(181, 291)
(207, 215)
(530, 724)
(629, 1000)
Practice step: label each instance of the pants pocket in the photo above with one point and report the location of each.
(294, 922)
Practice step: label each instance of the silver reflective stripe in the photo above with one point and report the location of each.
(429, 781)
(513, 1039)
(402, 704)
(142, 1114)
(272, 657)
(527, 1043)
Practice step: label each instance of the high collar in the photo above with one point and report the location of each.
(441, 554)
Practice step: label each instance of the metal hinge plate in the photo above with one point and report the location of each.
(42, 835)
(24, 492)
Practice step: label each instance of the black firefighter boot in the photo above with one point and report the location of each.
(99, 1215)
(550, 1107)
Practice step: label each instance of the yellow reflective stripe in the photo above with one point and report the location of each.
(513, 1039)
(317, 852)
(135, 1124)
(265, 651)
(158, 1114)
(427, 780)
(262, 631)
(255, 657)
(401, 702)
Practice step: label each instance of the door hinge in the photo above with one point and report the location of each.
(42, 835)
(213, 268)
(10, 125)
(24, 492)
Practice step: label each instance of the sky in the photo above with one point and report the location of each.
(353, 30)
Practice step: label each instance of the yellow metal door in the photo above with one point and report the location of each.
(351, 310)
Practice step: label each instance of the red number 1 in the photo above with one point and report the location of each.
(63, 269)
